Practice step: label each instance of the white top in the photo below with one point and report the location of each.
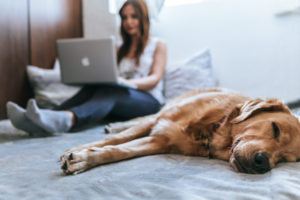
(129, 70)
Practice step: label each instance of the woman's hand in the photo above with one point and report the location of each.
(124, 81)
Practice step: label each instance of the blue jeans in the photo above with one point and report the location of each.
(94, 103)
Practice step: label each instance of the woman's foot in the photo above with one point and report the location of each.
(51, 121)
(17, 116)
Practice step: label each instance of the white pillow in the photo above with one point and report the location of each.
(48, 89)
(296, 112)
(195, 73)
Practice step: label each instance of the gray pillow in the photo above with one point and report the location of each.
(195, 73)
(48, 89)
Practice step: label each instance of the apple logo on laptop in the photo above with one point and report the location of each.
(85, 61)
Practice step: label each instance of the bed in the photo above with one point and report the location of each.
(30, 167)
(30, 170)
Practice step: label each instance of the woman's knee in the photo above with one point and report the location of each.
(135, 109)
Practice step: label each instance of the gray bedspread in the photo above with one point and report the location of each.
(29, 169)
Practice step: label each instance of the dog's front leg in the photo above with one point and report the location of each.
(117, 127)
(80, 161)
(140, 130)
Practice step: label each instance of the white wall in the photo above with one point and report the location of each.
(97, 21)
(253, 51)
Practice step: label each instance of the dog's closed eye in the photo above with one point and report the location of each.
(276, 130)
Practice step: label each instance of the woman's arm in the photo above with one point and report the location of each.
(157, 69)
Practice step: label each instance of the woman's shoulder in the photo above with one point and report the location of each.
(158, 42)
(154, 39)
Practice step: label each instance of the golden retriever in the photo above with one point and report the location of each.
(252, 134)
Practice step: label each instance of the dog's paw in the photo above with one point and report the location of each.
(75, 162)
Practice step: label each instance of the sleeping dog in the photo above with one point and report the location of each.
(252, 134)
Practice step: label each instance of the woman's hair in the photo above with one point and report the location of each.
(143, 35)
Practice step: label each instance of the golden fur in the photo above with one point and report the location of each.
(252, 134)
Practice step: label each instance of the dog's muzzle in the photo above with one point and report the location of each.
(260, 163)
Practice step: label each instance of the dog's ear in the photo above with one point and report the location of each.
(205, 124)
(244, 111)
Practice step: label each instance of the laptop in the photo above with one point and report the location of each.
(88, 61)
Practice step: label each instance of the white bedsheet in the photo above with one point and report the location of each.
(29, 170)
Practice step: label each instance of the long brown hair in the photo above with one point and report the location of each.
(143, 36)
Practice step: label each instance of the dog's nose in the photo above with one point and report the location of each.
(260, 163)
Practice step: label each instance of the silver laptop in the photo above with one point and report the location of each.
(88, 61)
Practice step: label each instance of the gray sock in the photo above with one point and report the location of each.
(50, 120)
(17, 116)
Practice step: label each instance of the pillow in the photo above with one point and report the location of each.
(48, 89)
(194, 73)
(296, 112)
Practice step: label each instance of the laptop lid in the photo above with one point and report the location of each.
(87, 61)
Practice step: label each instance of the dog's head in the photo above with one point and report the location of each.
(264, 133)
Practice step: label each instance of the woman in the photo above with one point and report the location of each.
(141, 63)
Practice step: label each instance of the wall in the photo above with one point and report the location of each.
(97, 21)
(14, 53)
(28, 31)
(51, 20)
(253, 51)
